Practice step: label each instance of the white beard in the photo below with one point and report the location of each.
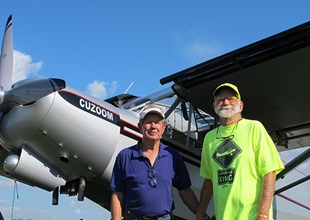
(228, 111)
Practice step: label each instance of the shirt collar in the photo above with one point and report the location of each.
(137, 152)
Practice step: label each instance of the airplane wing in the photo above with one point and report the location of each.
(273, 77)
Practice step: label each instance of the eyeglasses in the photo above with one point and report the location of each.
(151, 174)
(221, 100)
(231, 136)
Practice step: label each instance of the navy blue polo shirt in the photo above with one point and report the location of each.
(131, 176)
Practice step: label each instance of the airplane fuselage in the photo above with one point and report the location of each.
(68, 135)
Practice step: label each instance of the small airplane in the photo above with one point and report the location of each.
(65, 141)
(229, 152)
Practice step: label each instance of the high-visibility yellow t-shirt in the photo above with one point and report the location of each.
(236, 158)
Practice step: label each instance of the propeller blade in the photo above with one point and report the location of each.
(6, 60)
(30, 90)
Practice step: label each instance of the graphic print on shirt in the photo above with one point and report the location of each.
(224, 156)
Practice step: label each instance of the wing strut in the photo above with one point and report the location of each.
(296, 183)
(55, 196)
(294, 163)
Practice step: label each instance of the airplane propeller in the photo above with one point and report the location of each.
(6, 61)
(25, 91)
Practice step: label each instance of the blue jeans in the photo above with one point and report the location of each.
(132, 216)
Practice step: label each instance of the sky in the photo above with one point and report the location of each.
(103, 46)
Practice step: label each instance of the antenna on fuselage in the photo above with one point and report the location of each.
(13, 203)
(129, 87)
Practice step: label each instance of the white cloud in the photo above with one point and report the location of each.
(113, 87)
(6, 182)
(101, 89)
(78, 211)
(23, 66)
(199, 50)
(196, 47)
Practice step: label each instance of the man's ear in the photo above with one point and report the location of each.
(241, 105)
(140, 126)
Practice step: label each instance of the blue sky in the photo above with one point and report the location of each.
(102, 46)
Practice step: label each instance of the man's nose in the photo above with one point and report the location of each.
(226, 101)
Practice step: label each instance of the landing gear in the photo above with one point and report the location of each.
(81, 192)
(55, 196)
(72, 188)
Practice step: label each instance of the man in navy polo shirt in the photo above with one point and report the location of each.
(143, 174)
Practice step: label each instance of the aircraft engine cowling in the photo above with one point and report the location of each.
(29, 169)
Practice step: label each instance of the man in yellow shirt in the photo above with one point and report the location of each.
(239, 163)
